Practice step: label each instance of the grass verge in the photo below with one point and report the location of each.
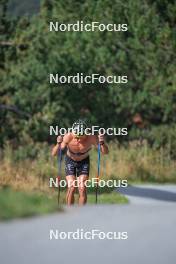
(105, 196)
(15, 204)
(110, 198)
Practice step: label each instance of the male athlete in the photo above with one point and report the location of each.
(77, 158)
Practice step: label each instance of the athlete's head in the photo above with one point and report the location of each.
(78, 128)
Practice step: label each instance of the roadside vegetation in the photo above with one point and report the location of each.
(24, 184)
(15, 204)
(25, 173)
(30, 168)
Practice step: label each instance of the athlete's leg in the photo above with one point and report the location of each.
(70, 172)
(82, 189)
(71, 189)
(83, 175)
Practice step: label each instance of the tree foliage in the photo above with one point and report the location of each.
(146, 53)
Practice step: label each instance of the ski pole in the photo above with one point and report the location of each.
(98, 173)
(59, 171)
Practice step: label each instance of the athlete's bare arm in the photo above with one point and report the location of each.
(100, 139)
(61, 142)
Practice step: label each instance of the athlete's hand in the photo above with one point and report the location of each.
(59, 139)
(101, 139)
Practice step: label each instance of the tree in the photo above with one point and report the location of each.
(146, 54)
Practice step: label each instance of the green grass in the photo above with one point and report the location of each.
(110, 198)
(15, 204)
(105, 196)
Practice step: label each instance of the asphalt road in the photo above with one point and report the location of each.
(150, 227)
(150, 194)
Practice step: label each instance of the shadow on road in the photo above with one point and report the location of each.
(147, 192)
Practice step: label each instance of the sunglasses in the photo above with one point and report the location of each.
(78, 136)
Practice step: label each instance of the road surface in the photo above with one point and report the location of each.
(149, 220)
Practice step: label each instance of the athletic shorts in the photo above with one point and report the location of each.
(77, 168)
